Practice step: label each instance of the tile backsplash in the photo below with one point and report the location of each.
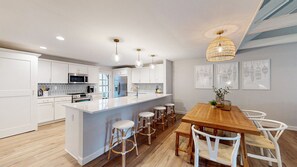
(149, 87)
(62, 89)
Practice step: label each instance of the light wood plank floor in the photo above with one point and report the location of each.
(45, 148)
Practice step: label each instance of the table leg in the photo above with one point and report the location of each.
(243, 151)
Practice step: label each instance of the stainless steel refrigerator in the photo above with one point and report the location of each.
(120, 86)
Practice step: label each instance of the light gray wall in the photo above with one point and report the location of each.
(280, 103)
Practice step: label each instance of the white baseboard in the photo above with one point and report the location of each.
(89, 158)
(180, 112)
(294, 128)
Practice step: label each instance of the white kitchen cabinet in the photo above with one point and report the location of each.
(60, 110)
(135, 75)
(121, 72)
(78, 69)
(59, 72)
(145, 75)
(93, 74)
(45, 110)
(18, 86)
(159, 73)
(44, 71)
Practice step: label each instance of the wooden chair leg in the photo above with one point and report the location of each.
(176, 144)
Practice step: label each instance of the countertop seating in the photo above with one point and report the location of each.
(267, 140)
(120, 130)
(215, 151)
(145, 120)
(161, 116)
(203, 115)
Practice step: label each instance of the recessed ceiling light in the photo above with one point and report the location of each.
(60, 38)
(43, 47)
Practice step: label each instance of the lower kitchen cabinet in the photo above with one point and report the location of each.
(51, 109)
(45, 110)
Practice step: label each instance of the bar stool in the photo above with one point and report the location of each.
(170, 109)
(145, 119)
(122, 127)
(161, 116)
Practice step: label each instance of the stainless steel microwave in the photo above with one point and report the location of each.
(77, 78)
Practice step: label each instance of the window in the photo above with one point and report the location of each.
(104, 85)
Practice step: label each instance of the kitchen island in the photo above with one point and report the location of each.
(88, 124)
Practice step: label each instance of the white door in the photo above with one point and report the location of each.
(44, 71)
(45, 112)
(59, 72)
(79, 69)
(18, 99)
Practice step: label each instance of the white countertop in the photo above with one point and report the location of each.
(53, 96)
(113, 103)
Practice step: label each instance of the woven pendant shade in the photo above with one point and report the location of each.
(220, 49)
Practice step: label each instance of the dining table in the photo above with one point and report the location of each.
(204, 115)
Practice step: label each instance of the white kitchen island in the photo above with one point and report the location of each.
(88, 124)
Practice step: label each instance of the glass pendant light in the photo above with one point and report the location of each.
(152, 65)
(138, 63)
(116, 56)
(220, 49)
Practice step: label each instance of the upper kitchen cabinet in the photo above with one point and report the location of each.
(144, 75)
(59, 72)
(157, 74)
(44, 71)
(93, 74)
(78, 69)
(135, 75)
(147, 75)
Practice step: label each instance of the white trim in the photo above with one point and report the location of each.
(19, 52)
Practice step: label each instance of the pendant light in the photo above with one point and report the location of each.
(138, 63)
(152, 65)
(116, 56)
(220, 49)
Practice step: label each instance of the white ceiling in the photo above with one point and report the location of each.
(171, 29)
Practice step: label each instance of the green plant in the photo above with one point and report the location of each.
(213, 103)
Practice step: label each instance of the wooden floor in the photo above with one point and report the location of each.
(45, 148)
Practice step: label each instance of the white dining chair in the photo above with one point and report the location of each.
(254, 114)
(267, 140)
(215, 151)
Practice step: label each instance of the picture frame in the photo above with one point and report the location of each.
(204, 76)
(256, 74)
(227, 75)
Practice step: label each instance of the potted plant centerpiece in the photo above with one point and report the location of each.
(220, 95)
(213, 103)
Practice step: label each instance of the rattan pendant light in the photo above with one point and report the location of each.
(220, 49)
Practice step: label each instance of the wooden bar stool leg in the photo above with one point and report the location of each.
(123, 148)
(110, 143)
(149, 130)
(135, 142)
(163, 121)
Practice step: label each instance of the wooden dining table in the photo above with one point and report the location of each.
(204, 115)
